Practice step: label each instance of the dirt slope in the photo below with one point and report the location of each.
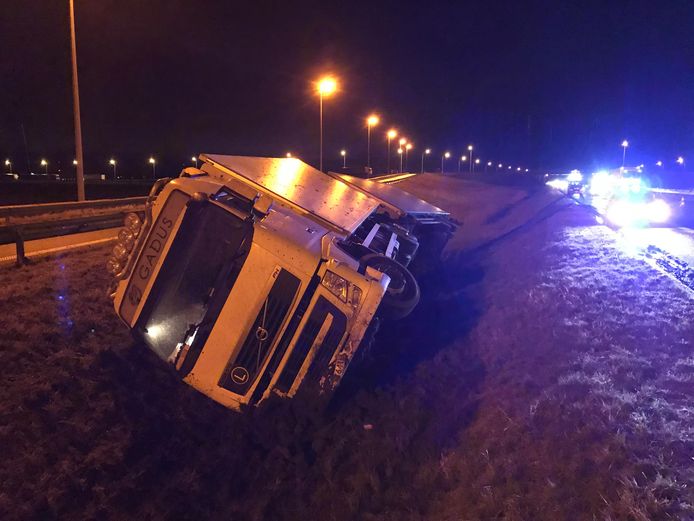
(546, 375)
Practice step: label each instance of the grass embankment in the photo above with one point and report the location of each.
(545, 375)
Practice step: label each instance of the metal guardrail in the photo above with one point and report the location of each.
(49, 225)
(7, 213)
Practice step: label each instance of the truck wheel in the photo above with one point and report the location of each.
(402, 294)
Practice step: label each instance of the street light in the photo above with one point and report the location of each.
(371, 121)
(392, 134)
(194, 159)
(408, 147)
(489, 163)
(500, 165)
(477, 162)
(325, 87)
(343, 153)
(153, 162)
(8, 164)
(658, 163)
(289, 154)
(426, 152)
(463, 159)
(446, 155)
(680, 160)
(400, 153)
(625, 145)
(112, 162)
(469, 148)
(44, 164)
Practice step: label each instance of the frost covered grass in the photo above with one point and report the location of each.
(546, 375)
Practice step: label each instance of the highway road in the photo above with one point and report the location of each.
(669, 246)
(40, 247)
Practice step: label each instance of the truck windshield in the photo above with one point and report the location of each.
(196, 276)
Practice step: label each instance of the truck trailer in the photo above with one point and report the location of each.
(255, 277)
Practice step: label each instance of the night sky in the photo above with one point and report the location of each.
(545, 85)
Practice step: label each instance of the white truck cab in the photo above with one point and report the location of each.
(258, 276)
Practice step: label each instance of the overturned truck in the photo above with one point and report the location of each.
(256, 276)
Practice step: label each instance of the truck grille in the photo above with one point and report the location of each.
(242, 369)
(307, 337)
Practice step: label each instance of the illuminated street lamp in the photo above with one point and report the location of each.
(289, 154)
(425, 153)
(112, 162)
(391, 134)
(325, 87)
(509, 167)
(153, 162)
(408, 147)
(469, 148)
(462, 159)
(343, 153)
(446, 155)
(518, 169)
(400, 153)
(44, 164)
(489, 163)
(194, 159)
(658, 163)
(625, 145)
(477, 162)
(680, 160)
(8, 164)
(527, 170)
(371, 121)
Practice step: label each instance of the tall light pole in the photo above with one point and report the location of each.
(76, 108)
(680, 161)
(194, 159)
(462, 159)
(371, 121)
(489, 163)
(402, 142)
(477, 162)
(153, 162)
(326, 86)
(426, 152)
(44, 164)
(112, 162)
(446, 155)
(625, 145)
(469, 147)
(343, 153)
(408, 147)
(392, 134)
(8, 164)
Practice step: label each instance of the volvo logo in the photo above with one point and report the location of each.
(261, 333)
(239, 375)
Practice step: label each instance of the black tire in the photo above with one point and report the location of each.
(402, 295)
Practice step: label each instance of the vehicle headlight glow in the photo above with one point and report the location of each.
(658, 211)
(621, 213)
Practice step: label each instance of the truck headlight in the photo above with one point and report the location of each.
(126, 237)
(336, 285)
(113, 266)
(133, 223)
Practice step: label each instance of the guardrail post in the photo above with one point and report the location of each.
(19, 241)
